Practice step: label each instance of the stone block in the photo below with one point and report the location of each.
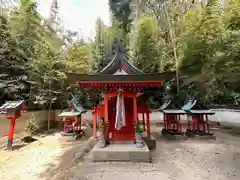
(121, 152)
(140, 156)
(118, 155)
(151, 142)
(99, 154)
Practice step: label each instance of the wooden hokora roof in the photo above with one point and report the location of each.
(75, 109)
(195, 107)
(170, 108)
(11, 105)
(120, 64)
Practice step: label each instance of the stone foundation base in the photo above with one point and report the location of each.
(121, 152)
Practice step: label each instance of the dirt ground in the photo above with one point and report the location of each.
(51, 158)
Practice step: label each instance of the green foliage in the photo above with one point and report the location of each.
(201, 39)
(102, 45)
(121, 10)
(25, 26)
(79, 58)
(138, 128)
(147, 45)
(211, 51)
(47, 73)
(12, 75)
(31, 125)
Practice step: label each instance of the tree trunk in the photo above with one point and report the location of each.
(49, 116)
(50, 107)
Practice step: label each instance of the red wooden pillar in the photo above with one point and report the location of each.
(106, 115)
(64, 124)
(207, 122)
(11, 133)
(143, 117)
(80, 122)
(148, 125)
(164, 121)
(137, 119)
(94, 125)
(198, 122)
(193, 123)
(135, 115)
(203, 123)
(180, 124)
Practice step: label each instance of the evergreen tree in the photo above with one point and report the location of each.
(54, 20)
(147, 45)
(99, 47)
(121, 10)
(25, 26)
(12, 75)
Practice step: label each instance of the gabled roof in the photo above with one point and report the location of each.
(193, 104)
(170, 108)
(11, 105)
(75, 109)
(120, 63)
(195, 107)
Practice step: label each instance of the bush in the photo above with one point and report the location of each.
(31, 126)
(138, 128)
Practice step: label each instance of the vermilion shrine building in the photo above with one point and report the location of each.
(122, 75)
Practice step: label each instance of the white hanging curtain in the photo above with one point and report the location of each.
(120, 114)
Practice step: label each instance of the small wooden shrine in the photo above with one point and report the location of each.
(72, 118)
(12, 111)
(197, 117)
(171, 118)
(120, 82)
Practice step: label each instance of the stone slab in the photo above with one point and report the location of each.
(121, 152)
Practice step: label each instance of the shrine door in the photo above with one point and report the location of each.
(126, 133)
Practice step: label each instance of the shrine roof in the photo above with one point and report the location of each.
(11, 105)
(120, 64)
(193, 104)
(109, 78)
(165, 105)
(170, 107)
(120, 71)
(195, 107)
(69, 114)
(201, 112)
(174, 111)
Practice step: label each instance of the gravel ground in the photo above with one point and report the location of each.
(175, 160)
(51, 158)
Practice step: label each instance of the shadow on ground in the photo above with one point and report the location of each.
(19, 146)
(62, 166)
(234, 131)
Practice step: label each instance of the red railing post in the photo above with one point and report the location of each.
(11, 133)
